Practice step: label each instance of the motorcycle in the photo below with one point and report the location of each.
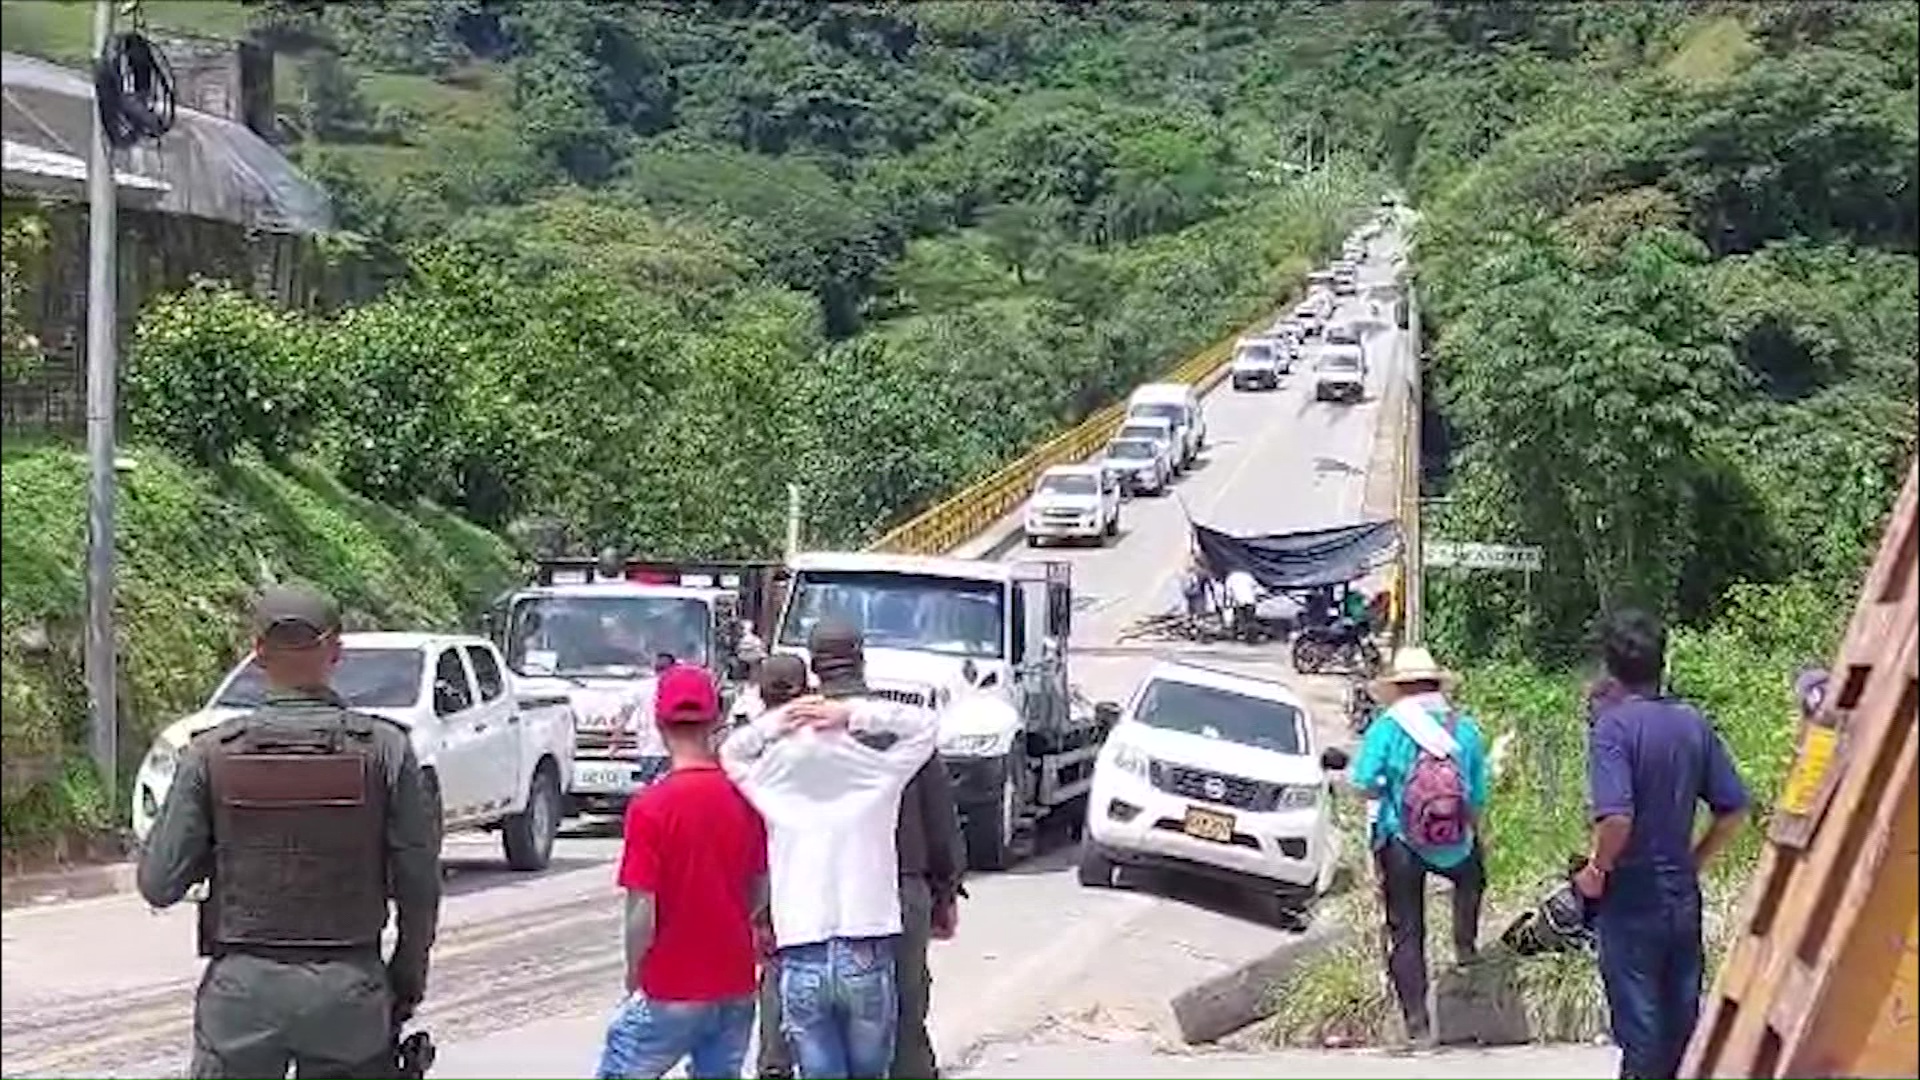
(1342, 647)
(1562, 921)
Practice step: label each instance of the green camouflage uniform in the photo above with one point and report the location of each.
(329, 1011)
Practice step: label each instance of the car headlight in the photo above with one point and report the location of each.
(1296, 796)
(972, 744)
(1129, 760)
(161, 761)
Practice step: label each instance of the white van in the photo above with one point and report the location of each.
(1177, 404)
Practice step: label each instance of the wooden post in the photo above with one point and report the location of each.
(1821, 979)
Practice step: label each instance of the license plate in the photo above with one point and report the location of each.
(1208, 825)
(604, 779)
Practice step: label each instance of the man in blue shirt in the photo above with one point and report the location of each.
(1651, 761)
(1423, 764)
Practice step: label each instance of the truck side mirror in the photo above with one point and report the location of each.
(1106, 717)
(1334, 759)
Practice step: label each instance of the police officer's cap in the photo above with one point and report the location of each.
(294, 617)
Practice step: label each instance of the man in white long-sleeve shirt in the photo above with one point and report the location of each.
(832, 805)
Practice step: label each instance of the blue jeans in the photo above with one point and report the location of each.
(840, 1007)
(1651, 961)
(647, 1038)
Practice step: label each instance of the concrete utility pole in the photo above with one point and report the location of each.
(793, 520)
(102, 328)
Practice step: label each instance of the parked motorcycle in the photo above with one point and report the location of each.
(1341, 647)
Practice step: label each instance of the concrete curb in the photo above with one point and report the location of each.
(60, 886)
(1226, 1003)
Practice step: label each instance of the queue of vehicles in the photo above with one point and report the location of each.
(549, 714)
(1312, 330)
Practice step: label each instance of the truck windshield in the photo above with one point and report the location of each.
(1148, 432)
(1339, 362)
(1130, 450)
(1220, 714)
(925, 612)
(1069, 484)
(365, 679)
(1257, 354)
(617, 635)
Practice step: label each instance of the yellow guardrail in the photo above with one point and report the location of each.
(976, 507)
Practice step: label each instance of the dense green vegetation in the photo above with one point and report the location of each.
(654, 262)
(1670, 307)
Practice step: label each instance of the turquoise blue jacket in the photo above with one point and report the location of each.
(1386, 758)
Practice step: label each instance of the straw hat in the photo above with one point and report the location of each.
(1411, 663)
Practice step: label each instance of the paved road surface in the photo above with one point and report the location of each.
(527, 967)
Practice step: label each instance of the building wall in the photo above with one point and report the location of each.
(159, 253)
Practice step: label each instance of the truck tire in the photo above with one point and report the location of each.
(528, 835)
(1113, 529)
(990, 825)
(1095, 870)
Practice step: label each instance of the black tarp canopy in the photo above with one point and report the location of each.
(1300, 560)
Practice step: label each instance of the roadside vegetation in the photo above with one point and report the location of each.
(649, 264)
(1670, 309)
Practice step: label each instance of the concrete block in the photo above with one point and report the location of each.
(1226, 1003)
(1480, 1005)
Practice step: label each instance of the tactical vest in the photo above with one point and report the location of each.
(299, 826)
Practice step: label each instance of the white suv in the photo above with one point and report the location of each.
(1074, 502)
(1215, 774)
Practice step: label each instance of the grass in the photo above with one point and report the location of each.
(62, 30)
(1737, 671)
(193, 546)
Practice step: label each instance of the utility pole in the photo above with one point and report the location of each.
(102, 328)
(793, 520)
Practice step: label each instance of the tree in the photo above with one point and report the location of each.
(1019, 232)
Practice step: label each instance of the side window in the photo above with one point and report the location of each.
(451, 692)
(486, 672)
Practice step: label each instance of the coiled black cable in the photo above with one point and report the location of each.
(133, 87)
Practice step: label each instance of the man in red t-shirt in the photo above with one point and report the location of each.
(694, 869)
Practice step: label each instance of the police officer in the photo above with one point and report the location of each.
(305, 818)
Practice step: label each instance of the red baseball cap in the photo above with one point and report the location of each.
(686, 695)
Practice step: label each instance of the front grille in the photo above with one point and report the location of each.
(1238, 792)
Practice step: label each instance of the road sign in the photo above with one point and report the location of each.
(1483, 556)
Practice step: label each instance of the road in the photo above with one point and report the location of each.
(527, 967)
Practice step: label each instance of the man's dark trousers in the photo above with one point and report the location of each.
(1651, 962)
(1403, 886)
(913, 1057)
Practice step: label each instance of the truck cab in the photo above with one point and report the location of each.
(986, 643)
(597, 633)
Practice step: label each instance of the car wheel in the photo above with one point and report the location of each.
(1096, 871)
(528, 835)
(1033, 541)
(990, 826)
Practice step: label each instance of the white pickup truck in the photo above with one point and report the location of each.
(498, 759)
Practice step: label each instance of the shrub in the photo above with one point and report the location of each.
(213, 370)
